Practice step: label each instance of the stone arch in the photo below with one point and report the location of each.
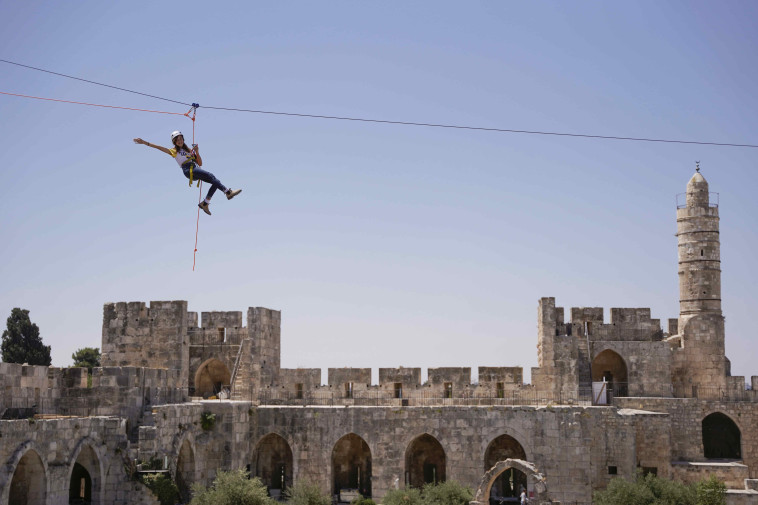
(273, 463)
(722, 438)
(537, 483)
(425, 461)
(611, 366)
(210, 377)
(351, 465)
(86, 473)
(509, 483)
(27, 482)
(185, 472)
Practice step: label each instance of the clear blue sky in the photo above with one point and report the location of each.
(382, 245)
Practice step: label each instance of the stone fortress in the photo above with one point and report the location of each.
(608, 399)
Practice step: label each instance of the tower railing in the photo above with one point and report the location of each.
(681, 200)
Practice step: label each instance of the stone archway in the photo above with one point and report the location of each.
(273, 464)
(721, 437)
(185, 470)
(210, 377)
(351, 465)
(536, 481)
(28, 486)
(510, 482)
(425, 462)
(86, 476)
(608, 365)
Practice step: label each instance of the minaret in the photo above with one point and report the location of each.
(702, 365)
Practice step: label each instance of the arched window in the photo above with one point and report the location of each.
(351, 466)
(510, 482)
(210, 377)
(273, 464)
(29, 483)
(610, 366)
(425, 462)
(721, 437)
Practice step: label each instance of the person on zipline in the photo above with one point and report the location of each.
(190, 160)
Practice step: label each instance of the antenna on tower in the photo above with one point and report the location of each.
(697, 166)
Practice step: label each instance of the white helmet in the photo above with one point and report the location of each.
(177, 133)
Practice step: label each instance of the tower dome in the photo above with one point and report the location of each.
(697, 191)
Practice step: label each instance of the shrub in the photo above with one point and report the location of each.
(447, 493)
(207, 420)
(162, 487)
(232, 488)
(306, 493)
(645, 490)
(711, 492)
(362, 500)
(407, 496)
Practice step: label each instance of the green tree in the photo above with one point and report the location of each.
(232, 488)
(711, 492)
(447, 493)
(306, 493)
(21, 341)
(646, 490)
(88, 357)
(407, 496)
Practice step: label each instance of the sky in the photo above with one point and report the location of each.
(383, 245)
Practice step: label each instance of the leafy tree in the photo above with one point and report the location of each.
(162, 487)
(88, 357)
(232, 488)
(306, 493)
(711, 492)
(646, 490)
(21, 341)
(407, 496)
(447, 493)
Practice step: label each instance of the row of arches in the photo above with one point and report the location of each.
(351, 459)
(29, 483)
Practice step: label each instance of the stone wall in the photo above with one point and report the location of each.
(686, 425)
(41, 455)
(563, 443)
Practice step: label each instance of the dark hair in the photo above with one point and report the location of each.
(183, 146)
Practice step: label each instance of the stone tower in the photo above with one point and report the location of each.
(700, 364)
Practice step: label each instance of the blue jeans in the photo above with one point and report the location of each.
(200, 174)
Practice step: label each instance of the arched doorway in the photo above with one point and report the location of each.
(425, 462)
(537, 484)
(509, 483)
(85, 483)
(351, 465)
(721, 437)
(185, 471)
(210, 377)
(29, 482)
(273, 464)
(610, 366)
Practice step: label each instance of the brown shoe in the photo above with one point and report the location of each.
(231, 193)
(204, 206)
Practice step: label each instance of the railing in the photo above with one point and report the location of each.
(713, 200)
(384, 398)
(717, 393)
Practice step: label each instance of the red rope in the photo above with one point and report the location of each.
(200, 191)
(95, 104)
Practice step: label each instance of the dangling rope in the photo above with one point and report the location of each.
(199, 183)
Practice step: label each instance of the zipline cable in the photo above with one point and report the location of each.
(94, 104)
(480, 128)
(405, 123)
(92, 82)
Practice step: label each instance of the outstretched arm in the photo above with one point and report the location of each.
(148, 144)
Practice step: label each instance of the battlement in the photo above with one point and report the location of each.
(626, 324)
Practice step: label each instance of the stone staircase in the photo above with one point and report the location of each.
(242, 378)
